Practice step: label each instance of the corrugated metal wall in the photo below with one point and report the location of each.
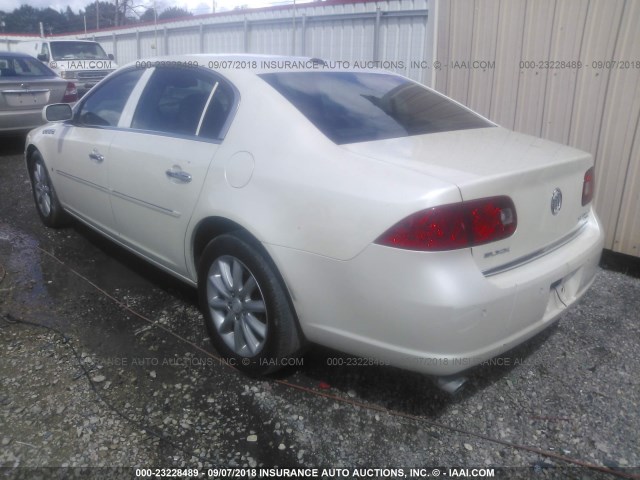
(396, 31)
(531, 82)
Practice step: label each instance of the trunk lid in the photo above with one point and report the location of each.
(494, 161)
(23, 94)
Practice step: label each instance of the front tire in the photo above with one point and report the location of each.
(44, 195)
(246, 307)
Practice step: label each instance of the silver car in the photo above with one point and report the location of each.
(26, 85)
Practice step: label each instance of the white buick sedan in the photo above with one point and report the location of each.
(354, 209)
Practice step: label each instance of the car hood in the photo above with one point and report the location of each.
(495, 161)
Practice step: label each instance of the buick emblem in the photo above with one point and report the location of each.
(556, 201)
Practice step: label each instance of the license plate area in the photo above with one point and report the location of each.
(563, 292)
(26, 99)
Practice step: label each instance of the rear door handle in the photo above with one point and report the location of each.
(178, 175)
(96, 156)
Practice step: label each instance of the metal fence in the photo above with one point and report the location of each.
(396, 34)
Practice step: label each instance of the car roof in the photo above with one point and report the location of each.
(241, 61)
(68, 40)
(6, 53)
(246, 57)
(241, 67)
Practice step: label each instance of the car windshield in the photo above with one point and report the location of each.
(350, 107)
(77, 51)
(23, 67)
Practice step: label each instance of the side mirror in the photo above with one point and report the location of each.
(111, 57)
(57, 112)
(43, 57)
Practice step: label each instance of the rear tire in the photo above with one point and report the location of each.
(44, 195)
(246, 306)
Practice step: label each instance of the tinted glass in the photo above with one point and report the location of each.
(77, 51)
(218, 111)
(23, 67)
(104, 105)
(173, 101)
(350, 107)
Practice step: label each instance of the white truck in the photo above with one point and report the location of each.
(83, 62)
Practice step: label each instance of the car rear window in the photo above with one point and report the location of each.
(23, 67)
(350, 107)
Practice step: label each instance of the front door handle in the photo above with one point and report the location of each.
(179, 175)
(96, 156)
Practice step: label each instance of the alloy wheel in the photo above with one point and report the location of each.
(237, 306)
(42, 189)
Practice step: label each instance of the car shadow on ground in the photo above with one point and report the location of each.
(142, 268)
(419, 396)
(321, 369)
(12, 145)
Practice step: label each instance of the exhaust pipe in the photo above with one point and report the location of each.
(452, 384)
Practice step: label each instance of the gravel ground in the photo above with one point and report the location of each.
(114, 369)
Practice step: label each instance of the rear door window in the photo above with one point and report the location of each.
(184, 101)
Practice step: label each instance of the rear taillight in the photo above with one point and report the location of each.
(454, 226)
(70, 94)
(588, 187)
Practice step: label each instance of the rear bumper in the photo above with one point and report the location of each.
(20, 120)
(434, 313)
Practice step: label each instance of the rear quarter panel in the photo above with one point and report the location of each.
(305, 192)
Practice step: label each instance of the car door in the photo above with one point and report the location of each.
(158, 166)
(83, 151)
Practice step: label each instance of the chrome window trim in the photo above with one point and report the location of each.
(206, 107)
(152, 206)
(83, 181)
(170, 135)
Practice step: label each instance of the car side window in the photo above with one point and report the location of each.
(174, 101)
(105, 104)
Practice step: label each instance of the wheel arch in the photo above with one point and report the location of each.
(30, 150)
(211, 227)
(208, 229)
(55, 215)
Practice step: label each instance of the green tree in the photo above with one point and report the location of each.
(128, 12)
(52, 21)
(106, 12)
(74, 22)
(174, 12)
(23, 20)
(148, 15)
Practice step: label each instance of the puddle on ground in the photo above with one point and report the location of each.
(24, 280)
